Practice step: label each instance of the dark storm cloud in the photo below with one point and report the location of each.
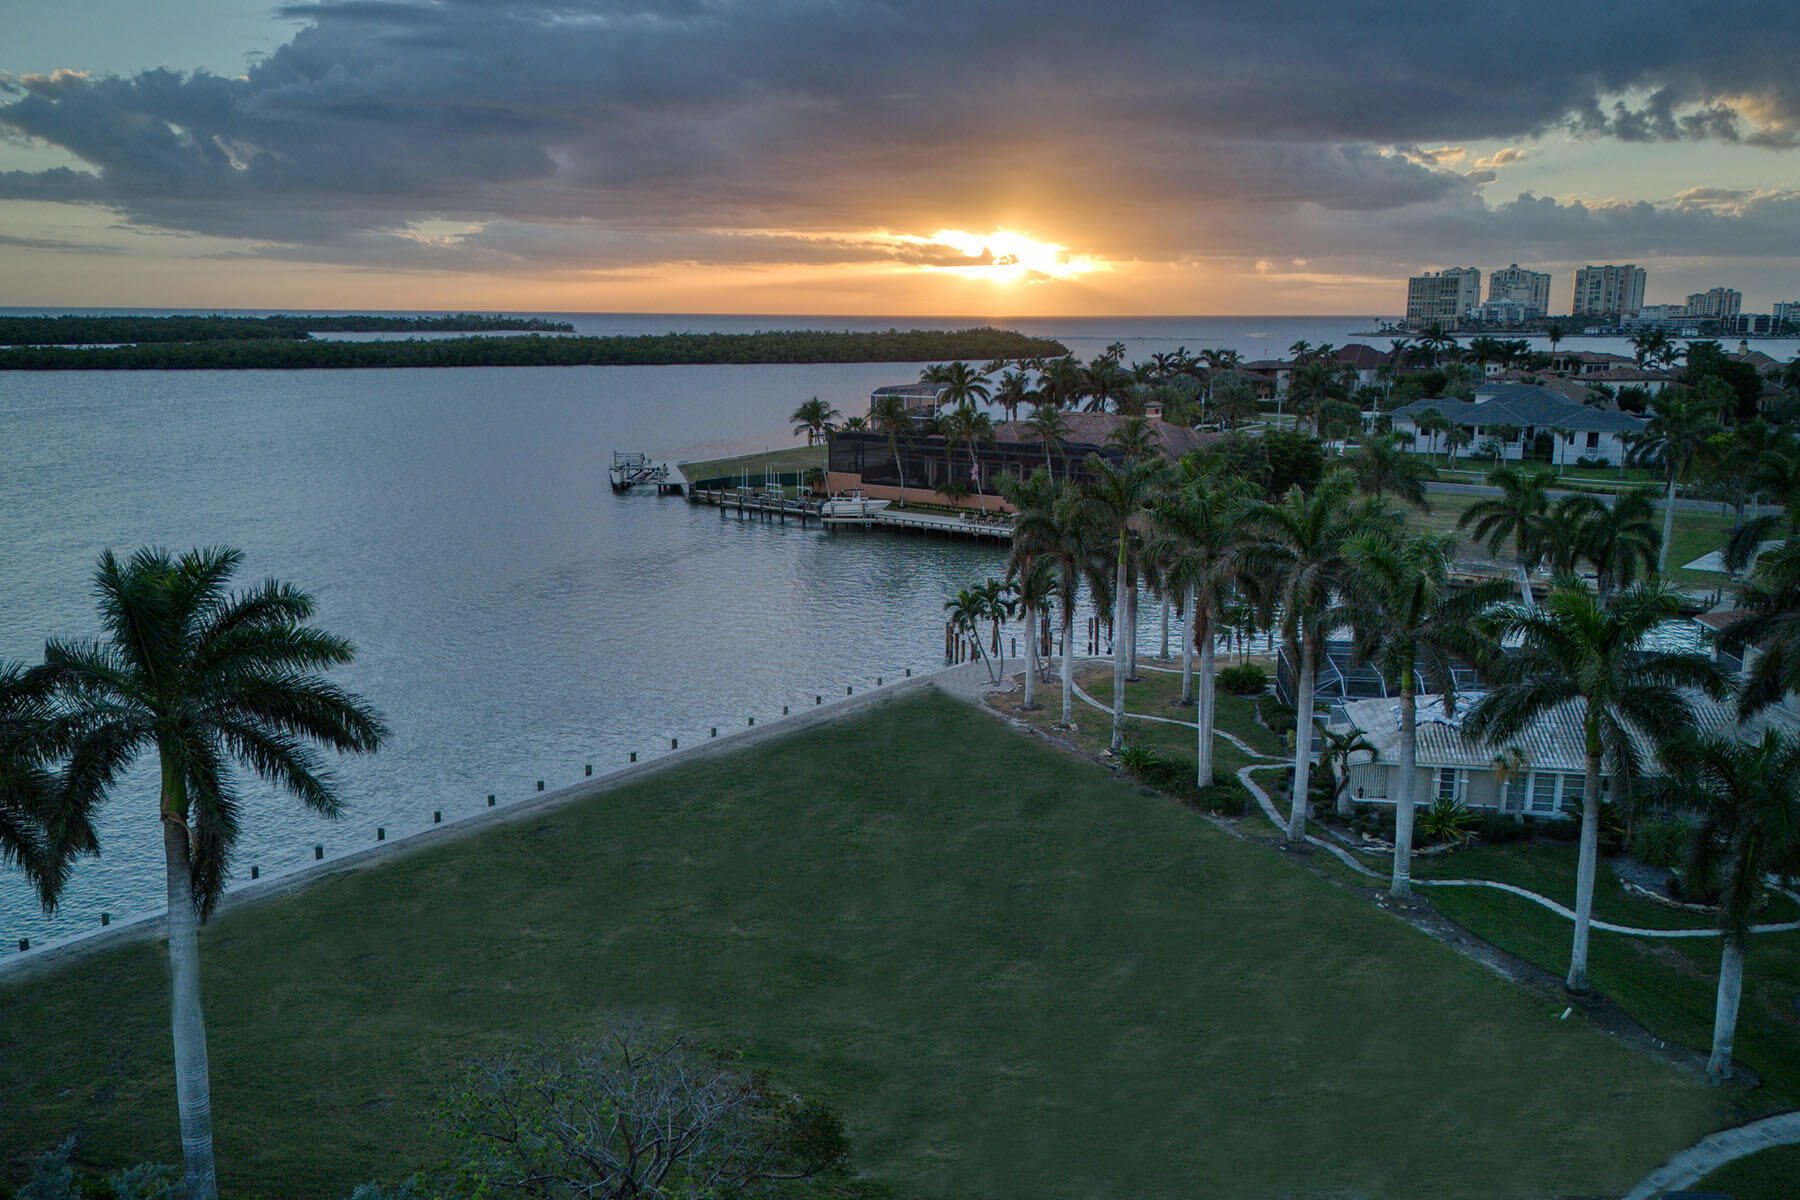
(622, 129)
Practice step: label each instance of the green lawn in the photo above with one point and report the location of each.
(1014, 974)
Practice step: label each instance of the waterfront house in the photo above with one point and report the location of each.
(863, 459)
(921, 399)
(1528, 421)
(1541, 773)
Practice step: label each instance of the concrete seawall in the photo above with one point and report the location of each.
(63, 951)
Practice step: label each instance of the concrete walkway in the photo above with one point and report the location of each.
(1265, 802)
(1709, 1154)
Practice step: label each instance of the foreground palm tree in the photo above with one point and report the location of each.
(1296, 558)
(1118, 497)
(1196, 534)
(1575, 650)
(38, 834)
(1382, 465)
(202, 677)
(1051, 426)
(1415, 624)
(1747, 796)
(1028, 562)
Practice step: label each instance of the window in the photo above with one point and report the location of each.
(1572, 788)
(1543, 792)
(1450, 784)
(1593, 441)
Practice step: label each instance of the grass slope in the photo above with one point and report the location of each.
(1015, 975)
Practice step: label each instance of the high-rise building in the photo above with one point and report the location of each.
(1609, 291)
(1716, 302)
(1786, 310)
(1442, 296)
(1516, 285)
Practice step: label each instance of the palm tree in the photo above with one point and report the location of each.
(1575, 651)
(1060, 381)
(1118, 496)
(1196, 533)
(1051, 427)
(1415, 624)
(1013, 389)
(1555, 331)
(38, 833)
(1432, 422)
(1747, 796)
(1382, 466)
(1676, 435)
(1297, 557)
(1620, 539)
(203, 677)
(893, 418)
(968, 387)
(1234, 402)
(966, 427)
(1133, 438)
(1520, 512)
(814, 419)
(1104, 382)
(1335, 750)
(1769, 622)
(1060, 529)
(968, 609)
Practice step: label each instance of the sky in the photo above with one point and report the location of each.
(981, 158)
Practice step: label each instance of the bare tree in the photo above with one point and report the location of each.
(636, 1114)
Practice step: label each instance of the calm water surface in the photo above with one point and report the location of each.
(513, 618)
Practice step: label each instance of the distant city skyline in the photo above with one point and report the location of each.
(1042, 159)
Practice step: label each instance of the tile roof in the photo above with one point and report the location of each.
(1363, 357)
(1524, 405)
(1092, 429)
(1554, 742)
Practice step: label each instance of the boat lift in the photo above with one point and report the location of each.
(631, 470)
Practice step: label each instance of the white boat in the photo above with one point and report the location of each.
(851, 504)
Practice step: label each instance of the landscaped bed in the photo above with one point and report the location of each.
(1014, 974)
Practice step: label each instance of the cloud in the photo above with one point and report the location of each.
(608, 134)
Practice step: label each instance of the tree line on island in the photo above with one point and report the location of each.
(670, 349)
(80, 330)
(1309, 547)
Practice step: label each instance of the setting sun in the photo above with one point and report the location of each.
(1008, 257)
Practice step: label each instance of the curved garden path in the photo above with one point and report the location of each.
(1710, 1153)
(1347, 857)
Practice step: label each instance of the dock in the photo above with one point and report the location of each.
(769, 505)
(631, 470)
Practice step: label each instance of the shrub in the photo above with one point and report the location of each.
(1137, 761)
(1585, 461)
(1662, 842)
(1446, 821)
(1560, 829)
(1221, 799)
(1246, 679)
(1498, 829)
(1273, 713)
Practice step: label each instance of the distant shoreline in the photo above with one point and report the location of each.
(88, 331)
(674, 349)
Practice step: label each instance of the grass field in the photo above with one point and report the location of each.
(1014, 974)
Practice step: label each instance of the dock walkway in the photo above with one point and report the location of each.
(993, 527)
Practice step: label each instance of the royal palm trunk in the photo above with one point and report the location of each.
(1204, 702)
(1662, 551)
(1068, 665)
(1131, 630)
(1119, 652)
(1303, 730)
(193, 1086)
(1165, 630)
(1031, 657)
(1188, 616)
(1725, 1009)
(1588, 861)
(1401, 888)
